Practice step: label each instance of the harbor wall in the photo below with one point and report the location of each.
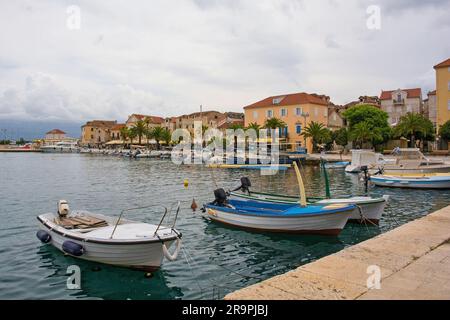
(409, 262)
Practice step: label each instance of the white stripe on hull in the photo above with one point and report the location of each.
(322, 222)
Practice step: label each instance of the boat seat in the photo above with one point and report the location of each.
(80, 222)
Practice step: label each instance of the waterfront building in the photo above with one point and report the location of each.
(55, 136)
(97, 132)
(397, 103)
(115, 131)
(442, 92)
(335, 118)
(430, 107)
(297, 110)
(367, 100)
(230, 119)
(209, 119)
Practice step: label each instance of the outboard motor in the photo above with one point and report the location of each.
(220, 197)
(245, 185)
(365, 170)
(63, 208)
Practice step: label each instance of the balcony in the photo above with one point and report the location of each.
(399, 102)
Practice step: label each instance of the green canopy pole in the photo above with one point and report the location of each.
(327, 182)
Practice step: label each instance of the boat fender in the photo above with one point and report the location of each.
(73, 248)
(172, 257)
(43, 236)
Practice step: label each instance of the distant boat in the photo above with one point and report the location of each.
(61, 147)
(416, 181)
(337, 165)
(361, 158)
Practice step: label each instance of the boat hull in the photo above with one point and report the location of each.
(140, 256)
(414, 183)
(324, 224)
(370, 208)
(419, 170)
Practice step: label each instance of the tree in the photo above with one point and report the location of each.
(158, 135)
(374, 117)
(444, 131)
(140, 128)
(317, 132)
(414, 125)
(341, 137)
(132, 134)
(254, 126)
(364, 132)
(166, 136)
(274, 123)
(124, 133)
(236, 126)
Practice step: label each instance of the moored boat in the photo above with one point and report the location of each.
(278, 217)
(109, 240)
(426, 181)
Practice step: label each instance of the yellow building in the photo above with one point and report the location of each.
(96, 132)
(297, 110)
(442, 92)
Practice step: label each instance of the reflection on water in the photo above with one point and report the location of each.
(215, 259)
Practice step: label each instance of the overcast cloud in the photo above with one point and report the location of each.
(168, 57)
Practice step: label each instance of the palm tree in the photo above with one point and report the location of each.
(236, 126)
(317, 132)
(364, 132)
(124, 133)
(140, 129)
(411, 125)
(254, 126)
(166, 136)
(274, 123)
(132, 134)
(158, 135)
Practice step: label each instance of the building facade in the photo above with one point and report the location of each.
(115, 131)
(397, 103)
(96, 132)
(335, 119)
(153, 121)
(297, 110)
(55, 134)
(430, 107)
(442, 92)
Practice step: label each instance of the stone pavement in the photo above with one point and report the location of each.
(413, 260)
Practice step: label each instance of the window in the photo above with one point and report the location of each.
(298, 129)
(277, 100)
(325, 112)
(316, 111)
(298, 111)
(448, 105)
(255, 114)
(448, 86)
(399, 97)
(283, 112)
(334, 116)
(269, 113)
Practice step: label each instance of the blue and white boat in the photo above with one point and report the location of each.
(426, 181)
(278, 217)
(337, 165)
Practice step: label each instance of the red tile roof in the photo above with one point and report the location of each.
(411, 93)
(56, 131)
(432, 93)
(101, 123)
(118, 126)
(443, 64)
(288, 100)
(154, 119)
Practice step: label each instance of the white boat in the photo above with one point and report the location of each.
(61, 147)
(410, 161)
(109, 240)
(430, 181)
(366, 158)
(337, 165)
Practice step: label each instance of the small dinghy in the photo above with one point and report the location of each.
(426, 181)
(279, 217)
(109, 240)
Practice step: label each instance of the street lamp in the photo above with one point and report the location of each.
(305, 115)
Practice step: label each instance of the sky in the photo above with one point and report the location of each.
(75, 61)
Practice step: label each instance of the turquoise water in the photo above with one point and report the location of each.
(215, 260)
